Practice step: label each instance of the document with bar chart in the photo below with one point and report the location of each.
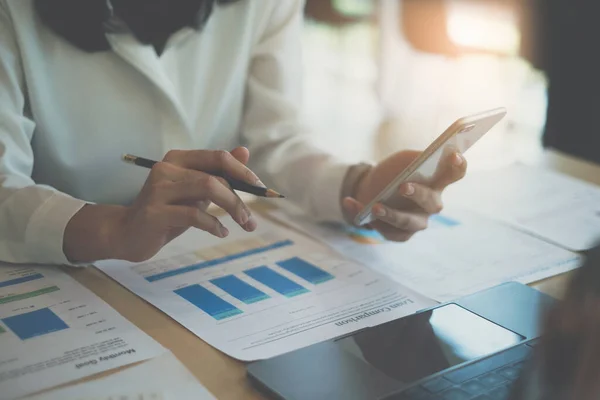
(161, 378)
(461, 253)
(255, 296)
(53, 330)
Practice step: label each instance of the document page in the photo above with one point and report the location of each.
(53, 330)
(558, 208)
(461, 253)
(258, 295)
(161, 378)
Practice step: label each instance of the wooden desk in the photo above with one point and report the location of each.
(223, 376)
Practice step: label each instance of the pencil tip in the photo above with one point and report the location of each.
(273, 194)
(128, 158)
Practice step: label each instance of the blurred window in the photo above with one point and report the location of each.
(456, 27)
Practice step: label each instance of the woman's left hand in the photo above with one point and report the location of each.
(399, 219)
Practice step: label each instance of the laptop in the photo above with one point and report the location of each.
(470, 349)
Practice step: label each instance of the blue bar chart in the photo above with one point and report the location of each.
(305, 270)
(35, 323)
(239, 289)
(218, 261)
(23, 279)
(208, 302)
(276, 281)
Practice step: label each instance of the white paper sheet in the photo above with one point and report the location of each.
(255, 296)
(53, 330)
(558, 208)
(459, 254)
(162, 378)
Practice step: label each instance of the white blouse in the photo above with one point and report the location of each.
(67, 116)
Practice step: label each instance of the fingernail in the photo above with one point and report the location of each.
(458, 160)
(251, 224)
(259, 183)
(224, 232)
(243, 217)
(409, 190)
(380, 212)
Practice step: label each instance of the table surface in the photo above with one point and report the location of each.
(222, 375)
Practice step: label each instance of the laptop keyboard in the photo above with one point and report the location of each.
(488, 379)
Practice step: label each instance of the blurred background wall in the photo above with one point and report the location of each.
(386, 75)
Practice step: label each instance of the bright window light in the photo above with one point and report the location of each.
(480, 25)
(354, 8)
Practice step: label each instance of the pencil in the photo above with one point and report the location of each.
(234, 183)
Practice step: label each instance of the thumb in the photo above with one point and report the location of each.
(241, 154)
(352, 206)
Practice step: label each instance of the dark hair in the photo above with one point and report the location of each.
(83, 22)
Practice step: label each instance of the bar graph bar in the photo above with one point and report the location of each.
(218, 261)
(208, 302)
(21, 280)
(28, 295)
(35, 323)
(276, 281)
(305, 270)
(239, 289)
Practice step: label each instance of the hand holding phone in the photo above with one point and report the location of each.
(429, 168)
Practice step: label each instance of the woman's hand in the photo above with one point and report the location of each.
(173, 199)
(409, 212)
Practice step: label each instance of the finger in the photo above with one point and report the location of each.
(221, 195)
(206, 187)
(251, 225)
(241, 154)
(165, 171)
(351, 207)
(405, 221)
(426, 198)
(453, 168)
(186, 217)
(213, 162)
(203, 205)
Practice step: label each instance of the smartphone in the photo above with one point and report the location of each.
(459, 137)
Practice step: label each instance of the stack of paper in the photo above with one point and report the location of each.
(555, 207)
(53, 331)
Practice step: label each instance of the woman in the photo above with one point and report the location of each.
(82, 82)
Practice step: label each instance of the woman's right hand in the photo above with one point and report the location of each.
(173, 199)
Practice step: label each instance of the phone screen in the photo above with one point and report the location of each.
(434, 161)
(414, 347)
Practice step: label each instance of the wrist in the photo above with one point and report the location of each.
(93, 234)
(353, 183)
(361, 189)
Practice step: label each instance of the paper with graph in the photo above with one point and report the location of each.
(53, 330)
(558, 208)
(461, 253)
(254, 296)
(161, 378)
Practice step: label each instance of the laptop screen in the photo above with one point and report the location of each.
(415, 347)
